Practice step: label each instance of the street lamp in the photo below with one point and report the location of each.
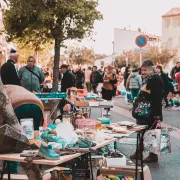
(113, 54)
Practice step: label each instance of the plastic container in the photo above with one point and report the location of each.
(85, 123)
(116, 162)
(27, 128)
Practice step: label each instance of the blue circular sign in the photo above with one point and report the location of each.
(141, 41)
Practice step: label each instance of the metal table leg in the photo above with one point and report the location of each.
(90, 161)
(74, 170)
(9, 172)
(137, 151)
(3, 168)
(141, 135)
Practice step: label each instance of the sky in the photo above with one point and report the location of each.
(132, 14)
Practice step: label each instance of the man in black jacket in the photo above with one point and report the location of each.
(95, 79)
(68, 78)
(9, 72)
(79, 78)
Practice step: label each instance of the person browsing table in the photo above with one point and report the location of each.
(31, 76)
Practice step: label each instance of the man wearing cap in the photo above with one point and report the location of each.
(9, 72)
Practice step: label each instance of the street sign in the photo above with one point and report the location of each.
(141, 41)
(140, 50)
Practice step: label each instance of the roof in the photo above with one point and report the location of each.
(172, 12)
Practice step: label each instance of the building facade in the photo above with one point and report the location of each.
(171, 29)
(124, 40)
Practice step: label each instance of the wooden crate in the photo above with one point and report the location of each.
(127, 171)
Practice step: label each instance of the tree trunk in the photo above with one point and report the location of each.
(7, 115)
(56, 65)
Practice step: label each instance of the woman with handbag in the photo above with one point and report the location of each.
(147, 108)
(109, 80)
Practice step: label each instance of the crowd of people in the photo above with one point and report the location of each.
(148, 85)
(104, 80)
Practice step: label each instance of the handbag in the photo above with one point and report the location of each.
(152, 139)
(142, 110)
(34, 74)
(165, 147)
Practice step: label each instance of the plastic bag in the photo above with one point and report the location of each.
(165, 142)
(99, 87)
(128, 97)
(152, 141)
(65, 130)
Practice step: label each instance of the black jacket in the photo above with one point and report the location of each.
(9, 74)
(67, 81)
(95, 78)
(156, 87)
(164, 77)
(80, 76)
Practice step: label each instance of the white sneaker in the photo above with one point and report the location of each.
(109, 114)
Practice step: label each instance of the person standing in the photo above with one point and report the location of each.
(118, 81)
(79, 78)
(31, 76)
(87, 79)
(177, 79)
(134, 83)
(152, 94)
(175, 70)
(164, 77)
(95, 79)
(68, 78)
(9, 71)
(126, 75)
(109, 80)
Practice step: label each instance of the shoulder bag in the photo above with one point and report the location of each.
(33, 73)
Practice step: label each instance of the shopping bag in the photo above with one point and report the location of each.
(128, 97)
(165, 141)
(99, 87)
(152, 141)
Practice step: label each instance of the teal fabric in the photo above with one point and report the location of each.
(30, 111)
(13, 167)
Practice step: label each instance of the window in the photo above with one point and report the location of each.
(170, 42)
(167, 23)
(174, 22)
(178, 21)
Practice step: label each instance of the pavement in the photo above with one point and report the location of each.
(168, 165)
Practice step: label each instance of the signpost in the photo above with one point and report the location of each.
(141, 41)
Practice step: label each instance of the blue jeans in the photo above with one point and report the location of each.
(134, 93)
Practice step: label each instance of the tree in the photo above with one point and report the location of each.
(161, 55)
(131, 56)
(43, 53)
(80, 56)
(43, 20)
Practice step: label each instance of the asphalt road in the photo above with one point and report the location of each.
(168, 166)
